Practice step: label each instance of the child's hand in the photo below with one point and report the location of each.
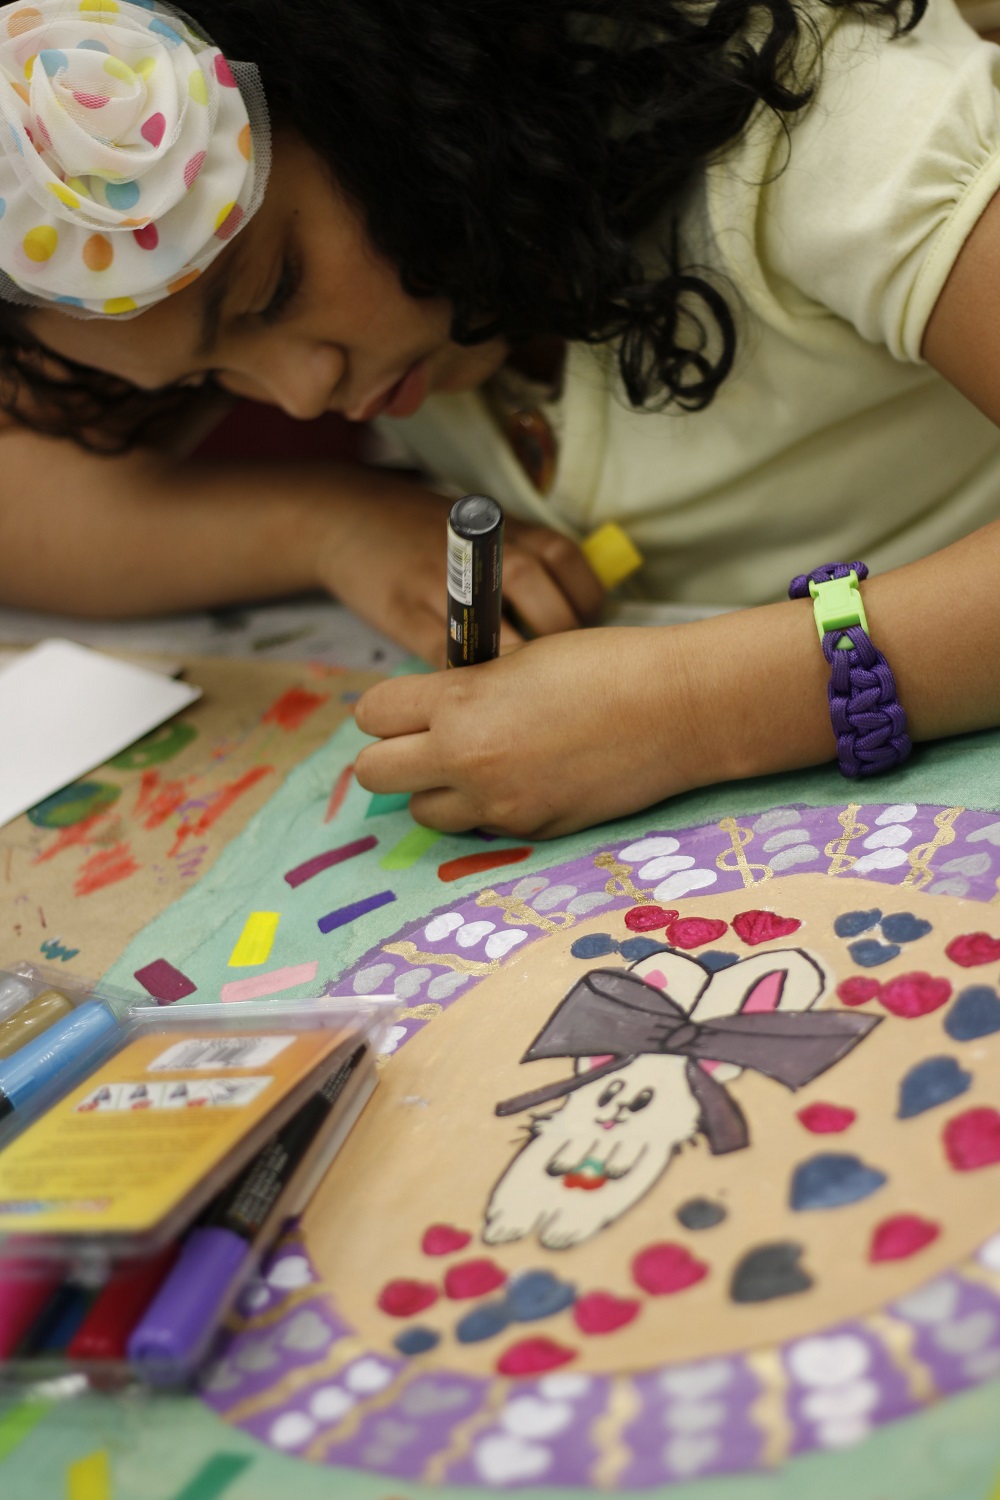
(552, 737)
(386, 557)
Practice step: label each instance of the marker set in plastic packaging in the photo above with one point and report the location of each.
(150, 1156)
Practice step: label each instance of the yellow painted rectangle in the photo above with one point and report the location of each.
(256, 940)
(89, 1478)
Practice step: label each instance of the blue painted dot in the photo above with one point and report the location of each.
(639, 947)
(869, 953)
(483, 1322)
(594, 945)
(851, 923)
(976, 1012)
(930, 1083)
(831, 1180)
(538, 1294)
(904, 927)
(16, 137)
(167, 32)
(122, 194)
(70, 301)
(715, 959)
(413, 1340)
(52, 60)
(3, 207)
(91, 46)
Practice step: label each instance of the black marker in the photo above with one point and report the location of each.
(475, 570)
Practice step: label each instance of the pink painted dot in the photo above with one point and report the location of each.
(974, 948)
(648, 918)
(534, 1357)
(152, 129)
(193, 167)
(858, 990)
(826, 1119)
(913, 995)
(230, 223)
(473, 1278)
(694, 932)
(972, 1139)
(663, 1269)
(147, 238)
(401, 1299)
(762, 926)
(224, 73)
(896, 1238)
(91, 101)
(444, 1239)
(601, 1312)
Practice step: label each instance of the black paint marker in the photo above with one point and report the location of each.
(475, 571)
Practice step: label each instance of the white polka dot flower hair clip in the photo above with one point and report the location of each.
(131, 151)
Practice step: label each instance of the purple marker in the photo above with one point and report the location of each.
(176, 1328)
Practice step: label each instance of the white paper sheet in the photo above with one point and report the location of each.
(65, 709)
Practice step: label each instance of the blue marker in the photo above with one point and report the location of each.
(54, 1052)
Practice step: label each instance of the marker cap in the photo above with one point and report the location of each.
(183, 1314)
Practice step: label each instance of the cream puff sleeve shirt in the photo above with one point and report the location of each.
(831, 439)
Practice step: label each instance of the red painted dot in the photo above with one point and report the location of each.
(473, 1278)
(694, 932)
(896, 1238)
(223, 72)
(534, 1357)
(972, 1139)
(401, 1299)
(974, 948)
(826, 1119)
(858, 990)
(152, 130)
(663, 1269)
(600, 1312)
(443, 1239)
(913, 995)
(147, 238)
(648, 918)
(762, 926)
(192, 167)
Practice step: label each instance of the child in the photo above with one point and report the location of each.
(771, 226)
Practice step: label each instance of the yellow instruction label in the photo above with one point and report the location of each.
(123, 1150)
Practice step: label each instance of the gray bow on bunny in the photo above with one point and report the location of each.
(613, 1011)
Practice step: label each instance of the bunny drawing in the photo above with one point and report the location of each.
(653, 1048)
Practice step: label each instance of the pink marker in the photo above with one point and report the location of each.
(22, 1297)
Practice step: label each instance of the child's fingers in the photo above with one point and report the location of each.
(446, 809)
(541, 605)
(402, 764)
(563, 560)
(401, 705)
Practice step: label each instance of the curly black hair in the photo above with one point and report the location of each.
(506, 155)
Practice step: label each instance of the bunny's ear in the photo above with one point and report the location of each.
(682, 978)
(588, 1064)
(784, 979)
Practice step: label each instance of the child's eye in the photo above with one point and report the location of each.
(288, 285)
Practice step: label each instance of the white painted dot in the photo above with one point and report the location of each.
(834, 1360)
(683, 882)
(691, 1382)
(564, 1387)
(689, 1453)
(330, 1403)
(291, 1430)
(503, 1459)
(392, 1039)
(984, 1365)
(473, 933)
(838, 1402)
(255, 1298)
(900, 812)
(880, 859)
(650, 848)
(989, 1255)
(933, 1303)
(529, 1417)
(893, 837)
(501, 943)
(666, 864)
(842, 1433)
(290, 1271)
(368, 1376)
(695, 1416)
(442, 925)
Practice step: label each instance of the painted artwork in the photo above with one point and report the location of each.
(684, 1161)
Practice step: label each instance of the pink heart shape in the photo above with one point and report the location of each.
(913, 995)
(761, 926)
(972, 1139)
(974, 948)
(152, 129)
(533, 1357)
(648, 918)
(826, 1119)
(895, 1239)
(600, 1312)
(443, 1239)
(473, 1278)
(858, 990)
(401, 1299)
(662, 1269)
(694, 932)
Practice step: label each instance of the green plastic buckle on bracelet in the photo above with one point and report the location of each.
(837, 606)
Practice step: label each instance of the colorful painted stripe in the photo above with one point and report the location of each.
(256, 940)
(165, 983)
(269, 984)
(89, 1478)
(387, 803)
(409, 849)
(345, 914)
(213, 1478)
(475, 864)
(321, 862)
(18, 1422)
(339, 792)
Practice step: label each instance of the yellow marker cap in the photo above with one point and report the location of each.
(612, 554)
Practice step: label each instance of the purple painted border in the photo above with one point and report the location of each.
(684, 1421)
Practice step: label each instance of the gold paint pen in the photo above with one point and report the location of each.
(31, 1020)
(475, 575)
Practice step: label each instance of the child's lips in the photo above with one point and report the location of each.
(402, 399)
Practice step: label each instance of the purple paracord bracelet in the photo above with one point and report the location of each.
(867, 716)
